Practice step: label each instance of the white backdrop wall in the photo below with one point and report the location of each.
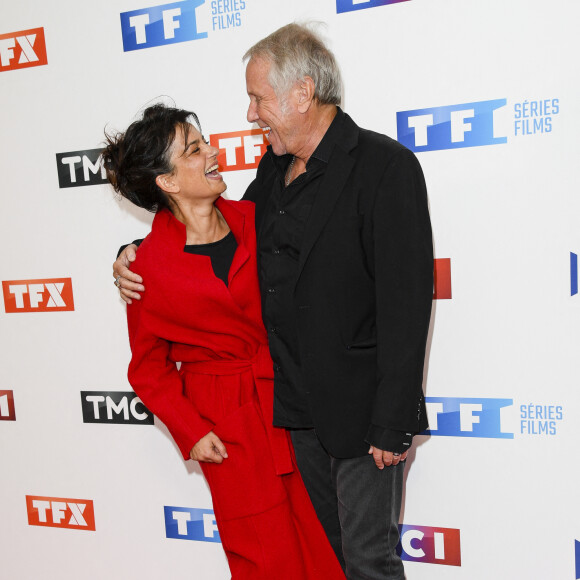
(492, 491)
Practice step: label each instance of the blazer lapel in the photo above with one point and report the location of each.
(237, 222)
(331, 188)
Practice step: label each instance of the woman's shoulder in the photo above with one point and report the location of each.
(243, 206)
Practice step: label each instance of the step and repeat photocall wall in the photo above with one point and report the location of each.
(487, 94)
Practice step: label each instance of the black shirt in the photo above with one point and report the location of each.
(279, 251)
(221, 254)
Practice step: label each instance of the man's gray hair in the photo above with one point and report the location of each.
(294, 52)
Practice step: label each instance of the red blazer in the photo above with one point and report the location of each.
(187, 314)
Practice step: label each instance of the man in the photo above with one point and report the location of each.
(346, 275)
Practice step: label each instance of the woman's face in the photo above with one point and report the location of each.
(195, 174)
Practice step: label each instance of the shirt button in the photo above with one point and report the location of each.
(276, 250)
(273, 330)
(271, 290)
(277, 368)
(281, 211)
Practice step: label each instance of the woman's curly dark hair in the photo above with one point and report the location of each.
(134, 159)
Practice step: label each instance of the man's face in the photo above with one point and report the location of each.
(266, 109)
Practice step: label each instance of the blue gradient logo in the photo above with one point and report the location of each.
(454, 417)
(450, 127)
(350, 5)
(577, 551)
(573, 274)
(182, 523)
(160, 25)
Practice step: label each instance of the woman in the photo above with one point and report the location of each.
(202, 308)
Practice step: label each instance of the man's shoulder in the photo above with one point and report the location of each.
(386, 144)
(368, 142)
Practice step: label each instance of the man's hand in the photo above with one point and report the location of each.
(387, 458)
(209, 448)
(128, 282)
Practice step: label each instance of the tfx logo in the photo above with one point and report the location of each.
(450, 127)
(454, 417)
(22, 49)
(7, 410)
(58, 512)
(239, 149)
(160, 25)
(430, 545)
(350, 5)
(442, 279)
(573, 274)
(46, 295)
(114, 407)
(190, 524)
(77, 168)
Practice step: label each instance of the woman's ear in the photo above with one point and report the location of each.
(166, 183)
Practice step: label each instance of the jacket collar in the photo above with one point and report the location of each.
(340, 165)
(173, 235)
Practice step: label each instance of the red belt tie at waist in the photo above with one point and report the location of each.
(261, 367)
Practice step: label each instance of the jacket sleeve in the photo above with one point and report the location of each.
(156, 380)
(404, 292)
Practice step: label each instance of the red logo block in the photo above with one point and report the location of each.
(7, 411)
(46, 295)
(22, 49)
(59, 512)
(442, 279)
(430, 545)
(240, 149)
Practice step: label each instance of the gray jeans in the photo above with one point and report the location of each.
(358, 505)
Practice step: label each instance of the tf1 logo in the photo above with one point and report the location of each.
(240, 149)
(183, 523)
(449, 127)
(77, 168)
(22, 49)
(58, 512)
(7, 410)
(159, 25)
(430, 545)
(114, 407)
(44, 295)
(350, 5)
(461, 417)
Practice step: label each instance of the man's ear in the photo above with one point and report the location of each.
(306, 89)
(166, 183)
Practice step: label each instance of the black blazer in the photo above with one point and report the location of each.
(364, 291)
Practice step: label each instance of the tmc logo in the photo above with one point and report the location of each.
(350, 5)
(46, 295)
(22, 49)
(114, 407)
(573, 274)
(450, 127)
(7, 410)
(442, 278)
(77, 168)
(430, 545)
(159, 25)
(58, 512)
(190, 524)
(454, 417)
(240, 149)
